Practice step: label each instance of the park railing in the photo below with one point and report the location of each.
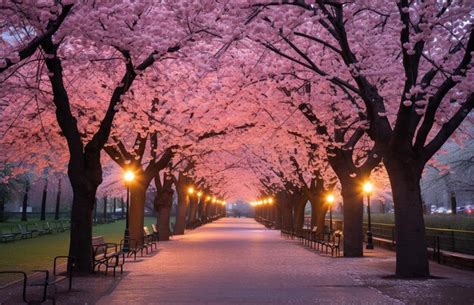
(460, 241)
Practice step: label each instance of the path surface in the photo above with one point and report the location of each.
(237, 261)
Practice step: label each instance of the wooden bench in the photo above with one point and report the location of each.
(46, 281)
(24, 281)
(24, 232)
(334, 243)
(34, 228)
(57, 226)
(6, 236)
(156, 233)
(107, 255)
(47, 228)
(150, 238)
(50, 280)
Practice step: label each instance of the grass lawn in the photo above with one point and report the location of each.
(39, 252)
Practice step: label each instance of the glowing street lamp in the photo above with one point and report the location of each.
(191, 190)
(368, 187)
(128, 177)
(330, 201)
(199, 194)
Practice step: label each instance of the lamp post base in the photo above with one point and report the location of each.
(370, 241)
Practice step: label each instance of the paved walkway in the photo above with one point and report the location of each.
(237, 261)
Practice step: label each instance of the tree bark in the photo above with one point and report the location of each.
(80, 246)
(183, 202)
(43, 201)
(122, 210)
(193, 203)
(25, 202)
(58, 201)
(202, 208)
(164, 222)
(162, 204)
(299, 207)
(2, 208)
(412, 256)
(278, 225)
(353, 217)
(286, 216)
(105, 208)
(136, 212)
(318, 211)
(180, 224)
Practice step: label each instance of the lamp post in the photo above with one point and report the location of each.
(128, 177)
(330, 201)
(368, 190)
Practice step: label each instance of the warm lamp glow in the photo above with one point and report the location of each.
(129, 176)
(199, 194)
(208, 198)
(214, 199)
(191, 190)
(223, 202)
(270, 200)
(330, 199)
(368, 187)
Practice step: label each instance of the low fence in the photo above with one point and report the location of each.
(460, 241)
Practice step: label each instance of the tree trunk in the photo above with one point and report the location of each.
(96, 203)
(353, 217)
(298, 221)
(105, 208)
(25, 202)
(58, 201)
(164, 222)
(318, 212)
(278, 225)
(122, 211)
(2, 208)
(43, 201)
(80, 246)
(286, 216)
(136, 212)
(193, 203)
(183, 200)
(314, 213)
(201, 208)
(412, 255)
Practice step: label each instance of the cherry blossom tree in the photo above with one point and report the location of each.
(407, 63)
(24, 26)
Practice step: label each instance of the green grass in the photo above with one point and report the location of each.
(455, 222)
(39, 252)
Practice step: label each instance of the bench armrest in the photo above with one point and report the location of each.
(24, 282)
(70, 264)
